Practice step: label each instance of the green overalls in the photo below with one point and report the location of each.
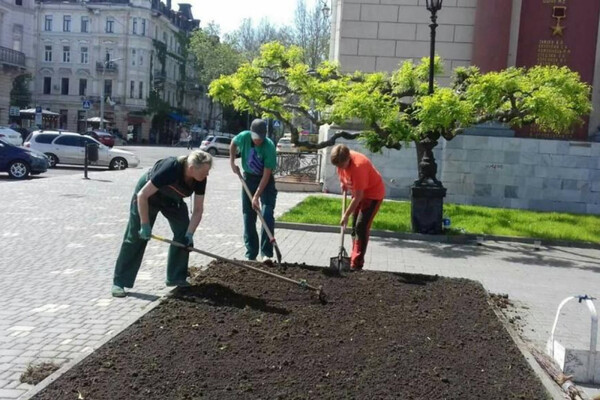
(169, 201)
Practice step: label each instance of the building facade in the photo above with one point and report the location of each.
(377, 35)
(16, 47)
(105, 59)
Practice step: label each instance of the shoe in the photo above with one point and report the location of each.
(118, 291)
(355, 268)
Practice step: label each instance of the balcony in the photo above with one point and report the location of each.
(111, 67)
(158, 75)
(12, 57)
(194, 87)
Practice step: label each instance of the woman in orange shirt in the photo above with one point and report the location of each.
(358, 175)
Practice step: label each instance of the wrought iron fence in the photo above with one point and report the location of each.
(302, 166)
(12, 57)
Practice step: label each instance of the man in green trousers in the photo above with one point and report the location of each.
(162, 189)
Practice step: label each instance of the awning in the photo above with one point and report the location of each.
(177, 117)
(96, 119)
(32, 111)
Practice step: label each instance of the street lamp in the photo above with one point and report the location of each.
(104, 65)
(325, 8)
(433, 6)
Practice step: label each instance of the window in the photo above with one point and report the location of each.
(141, 90)
(68, 140)
(19, 2)
(85, 24)
(47, 85)
(134, 29)
(67, 23)
(64, 88)
(143, 26)
(48, 53)
(110, 25)
(131, 89)
(17, 37)
(83, 87)
(46, 138)
(66, 54)
(165, 37)
(48, 23)
(133, 56)
(84, 55)
(141, 58)
(107, 88)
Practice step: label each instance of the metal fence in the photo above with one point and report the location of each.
(302, 166)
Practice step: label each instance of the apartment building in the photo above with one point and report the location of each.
(16, 47)
(115, 52)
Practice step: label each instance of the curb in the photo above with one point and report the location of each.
(551, 387)
(453, 239)
(70, 364)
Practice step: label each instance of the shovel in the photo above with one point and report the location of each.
(341, 262)
(264, 224)
(302, 283)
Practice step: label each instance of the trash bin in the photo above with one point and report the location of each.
(92, 152)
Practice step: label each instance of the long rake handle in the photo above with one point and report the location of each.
(262, 220)
(343, 227)
(237, 263)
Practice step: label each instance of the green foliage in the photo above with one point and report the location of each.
(20, 95)
(398, 108)
(213, 58)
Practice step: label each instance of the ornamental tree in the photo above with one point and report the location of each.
(396, 108)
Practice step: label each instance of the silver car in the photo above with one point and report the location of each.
(69, 148)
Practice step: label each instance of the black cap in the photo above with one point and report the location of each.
(258, 129)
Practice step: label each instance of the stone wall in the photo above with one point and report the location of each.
(377, 35)
(544, 175)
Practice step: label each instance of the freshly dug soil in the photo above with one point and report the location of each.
(240, 335)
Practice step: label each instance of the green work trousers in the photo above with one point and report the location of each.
(133, 247)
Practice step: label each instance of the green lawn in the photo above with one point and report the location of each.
(395, 216)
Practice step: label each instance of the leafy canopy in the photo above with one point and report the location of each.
(396, 108)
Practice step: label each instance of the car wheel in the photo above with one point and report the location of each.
(18, 169)
(118, 163)
(52, 160)
(212, 151)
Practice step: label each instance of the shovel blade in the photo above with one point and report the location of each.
(339, 263)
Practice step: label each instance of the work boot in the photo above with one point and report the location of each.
(118, 291)
(178, 283)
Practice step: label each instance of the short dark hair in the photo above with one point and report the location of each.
(340, 154)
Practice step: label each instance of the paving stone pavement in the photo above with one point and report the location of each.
(59, 238)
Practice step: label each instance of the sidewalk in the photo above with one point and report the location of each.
(60, 237)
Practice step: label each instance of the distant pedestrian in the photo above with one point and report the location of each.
(162, 189)
(358, 175)
(259, 159)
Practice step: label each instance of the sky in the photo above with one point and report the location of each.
(228, 14)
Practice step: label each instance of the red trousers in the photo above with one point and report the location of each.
(361, 227)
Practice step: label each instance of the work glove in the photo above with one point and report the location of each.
(145, 232)
(189, 239)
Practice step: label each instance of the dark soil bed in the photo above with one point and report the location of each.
(238, 334)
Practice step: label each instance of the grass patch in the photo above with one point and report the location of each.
(395, 216)
(34, 374)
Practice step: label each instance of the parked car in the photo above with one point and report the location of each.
(103, 137)
(68, 148)
(285, 145)
(11, 136)
(20, 162)
(216, 145)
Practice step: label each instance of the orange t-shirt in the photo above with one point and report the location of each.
(362, 175)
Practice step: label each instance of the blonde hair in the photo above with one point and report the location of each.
(198, 158)
(340, 154)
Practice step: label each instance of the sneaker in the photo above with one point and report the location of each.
(118, 291)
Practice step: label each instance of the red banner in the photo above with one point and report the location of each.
(559, 32)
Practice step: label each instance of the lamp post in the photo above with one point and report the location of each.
(433, 6)
(325, 8)
(104, 65)
(427, 193)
